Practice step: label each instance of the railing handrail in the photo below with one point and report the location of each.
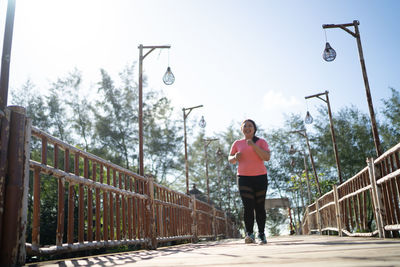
(387, 153)
(54, 140)
(167, 204)
(364, 192)
(353, 177)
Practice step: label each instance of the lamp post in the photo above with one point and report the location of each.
(6, 55)
(220, 155)
(304, 134)
(168, 79)
(356, 34)
(185, 115)
(206, 143)
(332, 130)
(293, 151)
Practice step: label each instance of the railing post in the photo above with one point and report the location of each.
(337, 210)
(309, 219)
(377, 199)
(16, 191)
(226, 225)
(214, 224)
(4, 139)
(319, 219)
(194, 220)
(304, 223)
(151, 214)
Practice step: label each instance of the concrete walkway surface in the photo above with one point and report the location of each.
(312, 250)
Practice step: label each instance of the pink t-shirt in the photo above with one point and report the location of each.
(250, 163)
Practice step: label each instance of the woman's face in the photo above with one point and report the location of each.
(248, 129)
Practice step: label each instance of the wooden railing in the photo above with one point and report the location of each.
(99, 204)
(365, 205)
(115, 206)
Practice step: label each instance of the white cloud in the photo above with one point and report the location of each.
(275, 104)
(273, 100)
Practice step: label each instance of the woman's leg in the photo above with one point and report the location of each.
(259, 206)
(248, 199)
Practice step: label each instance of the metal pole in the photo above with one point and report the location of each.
(6, 57)
(334, 139)
(206, 143)
(312, 164)
(219, 185)
(304, 134)
(206, 161)
(367, 91)
(185, 115)
(186, 156)
(141, 165)
(335, 150)
(301, 193)
(356, 35)
(141, 58)
(308, 178)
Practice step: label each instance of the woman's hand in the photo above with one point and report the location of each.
(263, 154)
(234, 158)
(250, 142)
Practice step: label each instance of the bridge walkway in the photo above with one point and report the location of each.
(307, 250)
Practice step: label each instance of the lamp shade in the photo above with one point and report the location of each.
(168, 77)
(329, 53)
(219, 152)
(202, 122)
(308, 119)
(292, 150)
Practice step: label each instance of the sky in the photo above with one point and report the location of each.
(240, 59)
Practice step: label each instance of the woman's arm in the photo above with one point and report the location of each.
(234, 155)
(265, 155)
(234, 158)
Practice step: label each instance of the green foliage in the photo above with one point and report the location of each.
(164, 144)
(390, 129)
(106, 125)
(34, 103)
(353, 137)
(275, 219)
(115, 122)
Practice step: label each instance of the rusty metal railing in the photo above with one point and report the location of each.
(365, 205)
(114, 205)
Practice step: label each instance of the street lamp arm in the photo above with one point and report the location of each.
(348, 31)
(322, 99)
(343, 27)
(208, 141)
(318, 96)
(156, 46)
(190, 110)
(152, 47)
(145, 55)
(327, 26)
(199, 106)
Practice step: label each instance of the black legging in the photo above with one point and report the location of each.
(252, 191)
